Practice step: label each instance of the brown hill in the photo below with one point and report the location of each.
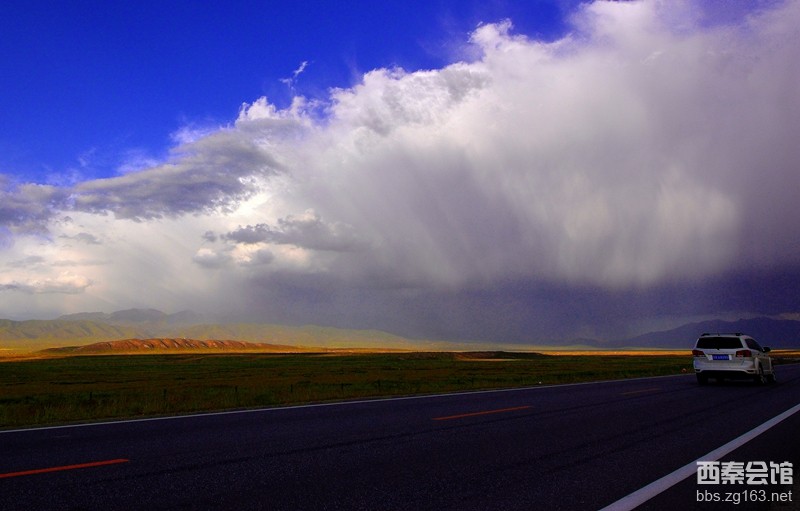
(171, 345)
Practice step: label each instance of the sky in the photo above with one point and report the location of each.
(505, 171)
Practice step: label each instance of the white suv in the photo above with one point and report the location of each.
(735, 356)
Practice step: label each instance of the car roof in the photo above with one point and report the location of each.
(737, 334)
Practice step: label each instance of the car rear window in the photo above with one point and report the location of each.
(719, 343)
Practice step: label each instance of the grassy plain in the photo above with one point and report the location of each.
(52, 390)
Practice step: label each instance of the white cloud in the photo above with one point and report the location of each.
(290, 81)
(63, 283)
(136, 160)
(208, 258)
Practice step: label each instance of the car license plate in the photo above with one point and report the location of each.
(720, 357)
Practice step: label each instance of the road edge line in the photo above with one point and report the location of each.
(658, 486)
(334, 403)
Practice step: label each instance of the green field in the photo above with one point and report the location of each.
(82, 388)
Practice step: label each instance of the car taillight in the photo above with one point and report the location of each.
(698, 353)
(744, 353)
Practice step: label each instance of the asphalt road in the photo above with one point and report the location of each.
(561, 447)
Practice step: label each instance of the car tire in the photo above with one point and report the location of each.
(702, 379)
(771, 378)
(760, 378)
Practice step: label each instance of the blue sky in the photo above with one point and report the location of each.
(88, 85)
(510, 171)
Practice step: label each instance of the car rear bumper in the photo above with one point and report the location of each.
(729, 375)
(743, 368)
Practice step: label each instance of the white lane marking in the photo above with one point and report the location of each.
(646, 493)
(341, 403)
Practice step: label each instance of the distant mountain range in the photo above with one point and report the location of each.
(775, 333)
(95, 327)
(137, 316)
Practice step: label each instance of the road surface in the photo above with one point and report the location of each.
(570, 447)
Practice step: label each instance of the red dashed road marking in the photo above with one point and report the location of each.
(64, 467)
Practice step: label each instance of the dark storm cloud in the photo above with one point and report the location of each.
(307, 230)
(28, 207)
(211, 174)
(83, 237)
